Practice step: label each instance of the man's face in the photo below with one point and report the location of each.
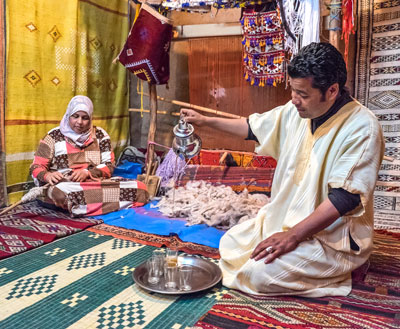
(309, 101)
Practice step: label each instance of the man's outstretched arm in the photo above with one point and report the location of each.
(236, 127)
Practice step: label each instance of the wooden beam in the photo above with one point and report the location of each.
(198, 108)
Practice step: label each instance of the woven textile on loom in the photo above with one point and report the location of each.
(378, 88)
(263, 52)
(246, 170)
(56, 50)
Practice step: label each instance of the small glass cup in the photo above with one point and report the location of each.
(171, 276)
(185, 277)
(153, 270)
(171, 257)
(160, 256)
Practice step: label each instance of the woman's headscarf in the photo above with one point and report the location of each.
(77, 103)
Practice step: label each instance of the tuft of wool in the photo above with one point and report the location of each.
(172, 167)
(203, 203)
(34, 193)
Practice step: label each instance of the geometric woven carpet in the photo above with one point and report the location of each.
(374, 301)
(377, 86)
(85, 281)
(28, 226)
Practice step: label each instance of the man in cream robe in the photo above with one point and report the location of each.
(299, 244)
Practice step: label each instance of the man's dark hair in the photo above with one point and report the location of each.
(322, 62)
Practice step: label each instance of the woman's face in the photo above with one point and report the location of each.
(79, 122)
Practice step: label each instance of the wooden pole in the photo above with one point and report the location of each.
(335, 22)
(152, 129)
(199, 108)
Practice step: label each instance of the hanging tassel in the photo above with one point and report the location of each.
(347, 25)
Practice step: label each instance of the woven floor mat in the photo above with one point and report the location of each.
(85, 281)
(374, 301)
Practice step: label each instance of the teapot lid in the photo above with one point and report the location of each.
(183, 129)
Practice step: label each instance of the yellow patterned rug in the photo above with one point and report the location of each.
(55, 50)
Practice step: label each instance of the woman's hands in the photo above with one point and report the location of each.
(276, 245)
(53, 177)
(79, 175)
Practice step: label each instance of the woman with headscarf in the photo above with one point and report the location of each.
(77, 161)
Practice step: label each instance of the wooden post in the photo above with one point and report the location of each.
(335, 22)
(152, 129)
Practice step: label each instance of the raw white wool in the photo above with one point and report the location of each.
(203, 203)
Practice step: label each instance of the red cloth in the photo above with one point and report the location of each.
(32, 228)
(146, 51)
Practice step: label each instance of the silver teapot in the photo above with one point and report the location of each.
(186, 143)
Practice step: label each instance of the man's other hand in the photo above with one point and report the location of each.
(276, 245)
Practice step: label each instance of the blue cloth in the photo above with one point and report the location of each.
(128, 169)
(150, 220)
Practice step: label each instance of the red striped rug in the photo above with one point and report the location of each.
(29, 226)
(374, 301)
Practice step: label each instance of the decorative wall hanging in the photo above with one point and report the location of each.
(302, 19)
(225, 4)
(347, 25)
(188, 5)
(263, 48)
(146, 51)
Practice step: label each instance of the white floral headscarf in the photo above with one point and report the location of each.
(77, 103)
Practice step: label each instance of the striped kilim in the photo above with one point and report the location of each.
(373, 303)
(378, 87)
(29, 226)
(85, 281)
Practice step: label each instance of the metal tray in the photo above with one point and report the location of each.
(205, 275)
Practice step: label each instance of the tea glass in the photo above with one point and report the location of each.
(171, 276)
(171, 257)
(154, 270)
(160, 256)
(185, 277)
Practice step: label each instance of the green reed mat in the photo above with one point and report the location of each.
(85, 281)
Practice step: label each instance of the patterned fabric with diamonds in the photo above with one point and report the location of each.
(378, 87)
(56, 50)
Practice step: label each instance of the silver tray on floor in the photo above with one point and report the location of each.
(205, 275)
